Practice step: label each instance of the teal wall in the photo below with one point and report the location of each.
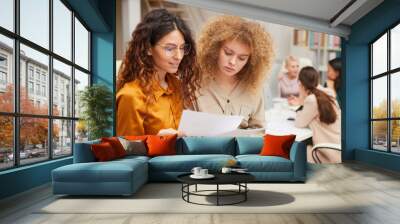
(356, 69)
(99, 16)
(24, 178)
(103, 52)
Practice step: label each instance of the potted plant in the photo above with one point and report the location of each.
(96, 104)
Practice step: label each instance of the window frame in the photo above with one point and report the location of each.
(16, 115)
(388, 74)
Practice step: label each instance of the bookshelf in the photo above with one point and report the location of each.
(324, 47)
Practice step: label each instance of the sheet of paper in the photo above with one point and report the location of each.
(206, 124)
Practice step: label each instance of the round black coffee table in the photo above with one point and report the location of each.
(238, 179)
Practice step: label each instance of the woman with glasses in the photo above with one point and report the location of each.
(234, 56)
(156, 73)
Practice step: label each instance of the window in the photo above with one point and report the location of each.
(37, 74)
(81, 81)
(385, 97)
(62, 74)
(30, 73)
(81, 45)
(44, 91)
(40, 87)
(62, 29)
(7, 88)
(34, 21)
(30, 87)
(62, 130)
(3, 78)
(3, 60)
(43, 77)
(3, 71)
(7, 14)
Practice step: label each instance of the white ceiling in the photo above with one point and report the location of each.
(319, 9)
(308, 14)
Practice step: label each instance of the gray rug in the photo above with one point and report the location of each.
(166, 198)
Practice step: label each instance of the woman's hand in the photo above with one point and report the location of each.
(171, 131)
(293, 100)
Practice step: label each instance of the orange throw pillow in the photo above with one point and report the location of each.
(277, 145)
(116, 145)
(161, 145)
(103, 152)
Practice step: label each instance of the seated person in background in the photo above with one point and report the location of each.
(156, 73)
(321, 113)
(288, 83)
(234, 56)
(335, 77)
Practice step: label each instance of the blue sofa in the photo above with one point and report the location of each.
(125, 176)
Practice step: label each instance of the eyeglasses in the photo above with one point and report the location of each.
(172, 50)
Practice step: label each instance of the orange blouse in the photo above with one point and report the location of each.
(141, 114)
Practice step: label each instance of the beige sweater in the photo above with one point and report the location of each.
(212, 99)
(309, 117)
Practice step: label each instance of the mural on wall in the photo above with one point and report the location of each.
(230, 65)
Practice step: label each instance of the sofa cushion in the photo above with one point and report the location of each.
(249, 145)
(112, 171)
(83, 152)
(277, 145)
(134, 147)
(257, 163)
(103, 152)
(116, 145)
(130, 158)
(206, 145)
(185, 163)
(161, 145)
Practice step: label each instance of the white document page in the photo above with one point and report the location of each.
(206, 124)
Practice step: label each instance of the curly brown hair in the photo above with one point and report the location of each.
(225, 28)
(138, 65)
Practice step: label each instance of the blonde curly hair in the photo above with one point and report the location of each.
(226, 28)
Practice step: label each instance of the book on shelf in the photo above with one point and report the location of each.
(336, 42)
(316, 40)
(300, 38)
